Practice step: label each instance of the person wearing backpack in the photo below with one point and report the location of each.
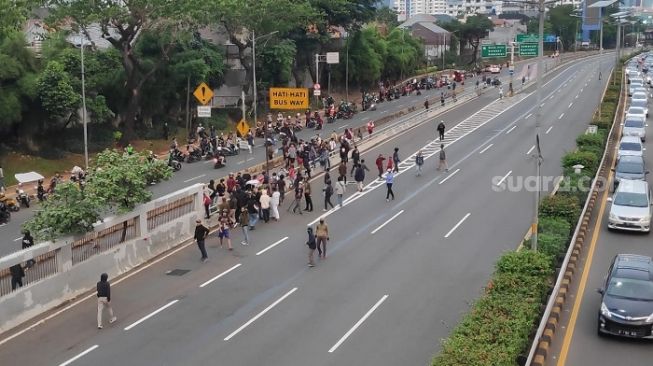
(311, 242)
(340, 189)
(419, 161)
(359, 175)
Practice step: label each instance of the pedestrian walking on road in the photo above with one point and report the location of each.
(389, 180)
(17, 274)
(379, 164)
(443, 159)
(355, 157)
(281, 184)
(250, 141)
(207, 206)
(104, 300)
(370, 127)
(307, 195)
(426, 105)
(243, 220)
(322, 234)
(396, 160)
(312, 244)
(201, 232)
(223, 232)
(442, 99)
(419, 161)
(500, 92)
(441, 128)
(328, 192)
(274, 203)
(264, 200)
(341, 188)
(297, 204)
(390, 163)
(252, 209)
(342, 171)
(359, 175)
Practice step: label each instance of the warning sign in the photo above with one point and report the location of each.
(203, 93)
(288, 98)
(242, 127)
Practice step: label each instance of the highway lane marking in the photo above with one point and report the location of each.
(18, 238)
(1, 225)
(249, 159)
(272, 246)
(569, 334)
(387, 222)
(260, 314)
(343, 126)
(581, 89)
(562, 115)
(89, 350)
(193, 178)
(530, 150)
(542, 105)
(449, 176)
(570, 104)
(139, 321)
(358, 324)
(220, 275)
(529, 116)
(486, 148)
(240, 162)
(457, 225)
(511, 128)
(548, 130)
(504, 178)
(93, 295)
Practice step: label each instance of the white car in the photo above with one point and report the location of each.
(494, 69)
(634, 84)
(631, 207)
(639, 95)
(631, 146)
(640, 90)
(635, 126)
(638, 106)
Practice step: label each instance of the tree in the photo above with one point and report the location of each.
(562, 24)
(17, 79)
(118, 180)
(122, 22)
(471, 32)
(68, 211)
(387, 16)
(13, 16)
(276, 62)
(367, 53)
(404, 55)
(55, 92)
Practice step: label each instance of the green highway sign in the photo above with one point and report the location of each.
(527, 38)
(528, 49)
(493, 50)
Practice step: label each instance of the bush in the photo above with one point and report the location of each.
(496, 329)
(554, 226)
(589, 160)
(563, 206)
(593, 140)
(551, 245)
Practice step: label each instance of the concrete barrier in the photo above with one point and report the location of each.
(72, 266)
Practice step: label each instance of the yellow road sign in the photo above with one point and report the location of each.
(242, 127)
(203, 93)
(288, 98)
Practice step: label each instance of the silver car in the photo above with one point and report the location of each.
(636, 105)
(629, 167)
(631, 207)
(630, 145)
(635, 126)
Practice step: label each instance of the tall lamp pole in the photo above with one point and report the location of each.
(538, 117)
(84, 104)
(255, 100)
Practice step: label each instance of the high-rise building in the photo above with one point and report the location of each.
(409, 8)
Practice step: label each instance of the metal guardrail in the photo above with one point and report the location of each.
(169, 212)
(103, 240)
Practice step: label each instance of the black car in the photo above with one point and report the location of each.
(627, 298)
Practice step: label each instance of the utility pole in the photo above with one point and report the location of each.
(84, 106)
(538, 117)
(187, 104)
(347, 72)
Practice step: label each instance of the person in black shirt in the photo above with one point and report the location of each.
(201, 232)
(104, 299)
(17, 275)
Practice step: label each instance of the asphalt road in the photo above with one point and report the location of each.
(580, 344)
(398, 274)
(10, 234)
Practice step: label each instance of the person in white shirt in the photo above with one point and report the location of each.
(265, 205)
(274, 203)
(340, 189)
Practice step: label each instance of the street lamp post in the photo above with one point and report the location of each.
(538, 116)
(84, 104)
(255, 100)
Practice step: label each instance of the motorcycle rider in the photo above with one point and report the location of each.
(40, 191)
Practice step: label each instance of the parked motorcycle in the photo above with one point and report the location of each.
(174, 164)
(5, 215)
(193, 156)
(219, 161)
(22, 197)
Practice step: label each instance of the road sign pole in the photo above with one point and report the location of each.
(538, 116)
(511, 68)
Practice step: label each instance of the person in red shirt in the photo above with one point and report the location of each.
(390, 162)
(231, 183)
(370, 127)
(379, 164)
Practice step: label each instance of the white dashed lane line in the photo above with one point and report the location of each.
(562, 115)
(548, 130)
(272, 245)
(358, 324)
(486, 148)
(89, 350)
(151, 314)
(449, 176)
(457, 225)
(387, 222)
(220, 275)
(530, 150)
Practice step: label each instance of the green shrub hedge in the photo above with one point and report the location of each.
(589, 160)
(496, 330)
(562, 206)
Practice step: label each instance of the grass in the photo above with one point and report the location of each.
(13, 162)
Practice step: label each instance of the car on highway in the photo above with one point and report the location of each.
(494, 69)
(631, 74)
(630, 146)
(640, 93)
(629, 167)
(634, 126)
(627, 298)
(641, 104)
(631, 207)
(635, 83)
